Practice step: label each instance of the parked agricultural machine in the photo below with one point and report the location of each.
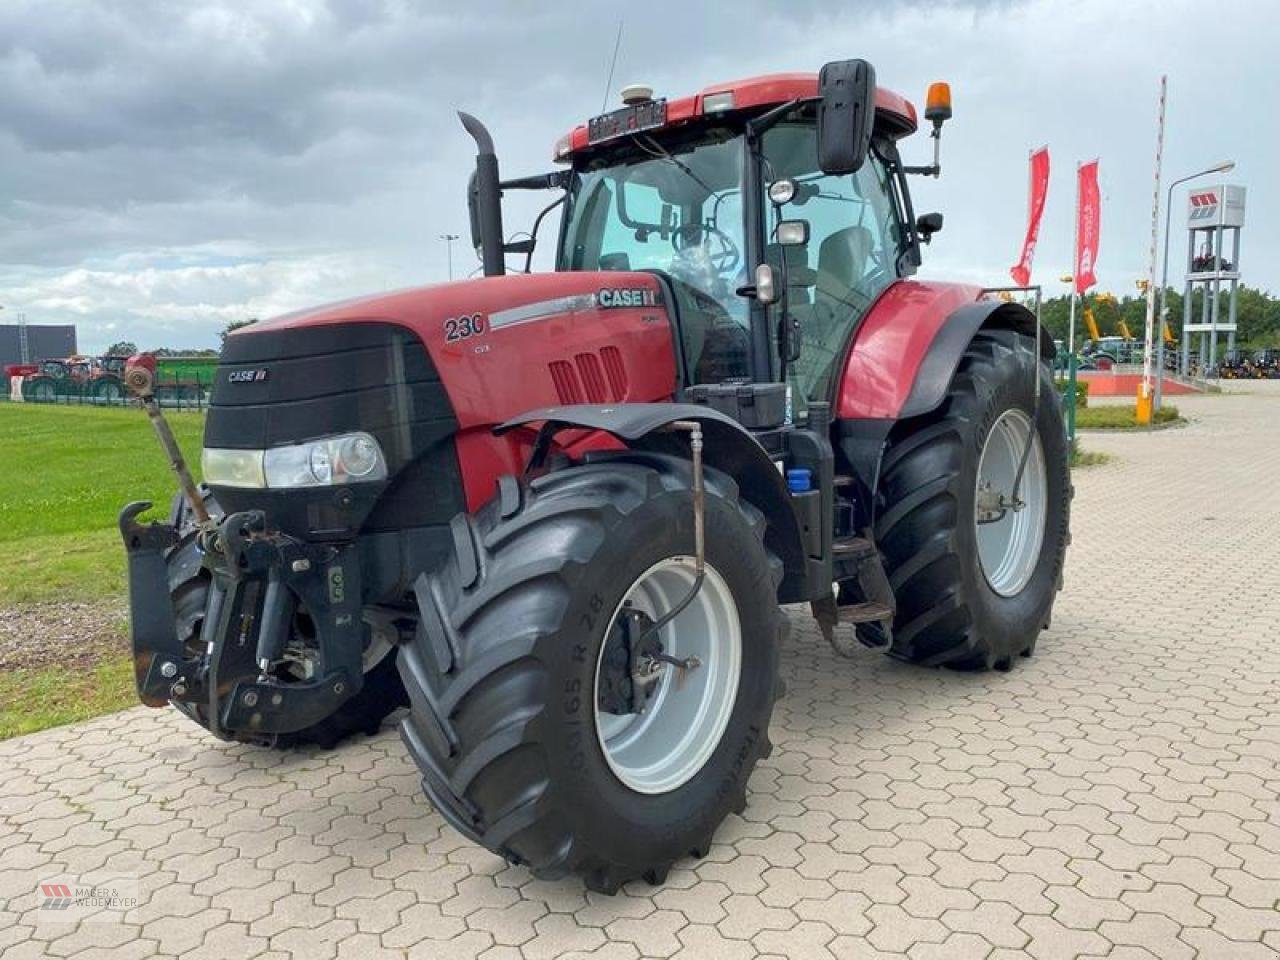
(1249, 365)
(555, 516)
(179, 381)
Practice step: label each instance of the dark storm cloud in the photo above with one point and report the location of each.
(116, 106)
(209, 160)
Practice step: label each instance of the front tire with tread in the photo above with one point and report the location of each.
(501, 674)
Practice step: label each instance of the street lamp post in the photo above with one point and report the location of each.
(1224, 167)
(448, 239)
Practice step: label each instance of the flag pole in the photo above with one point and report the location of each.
(1071, 328)
(1144, 400)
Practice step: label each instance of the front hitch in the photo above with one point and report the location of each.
(157, 651)
(260, 580)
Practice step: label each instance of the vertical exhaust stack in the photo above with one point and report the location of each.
(484, 200)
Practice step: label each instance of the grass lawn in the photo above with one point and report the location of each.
(1121, 417)
(36, 699)
(65, 472)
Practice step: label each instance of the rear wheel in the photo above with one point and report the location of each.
(975, 578)
(551, 722)
(39, 390)
(109, 390)
(379, 695)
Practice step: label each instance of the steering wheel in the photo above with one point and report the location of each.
(724, 256)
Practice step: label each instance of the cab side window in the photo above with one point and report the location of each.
(850, 258)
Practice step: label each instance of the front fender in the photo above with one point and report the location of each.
(727, 446)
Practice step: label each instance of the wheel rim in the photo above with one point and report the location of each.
(664, 747)
(1009, 548)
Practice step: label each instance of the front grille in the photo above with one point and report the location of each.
(275, 387)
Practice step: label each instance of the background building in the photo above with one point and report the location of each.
(43, 341)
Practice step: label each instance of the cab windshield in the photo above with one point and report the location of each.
(674, 207)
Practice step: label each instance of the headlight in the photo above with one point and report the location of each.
(233, 468)
(348, 458)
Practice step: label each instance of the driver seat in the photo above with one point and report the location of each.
(842, 263)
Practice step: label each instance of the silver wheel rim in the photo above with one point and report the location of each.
(663, 748)
(1009, 548)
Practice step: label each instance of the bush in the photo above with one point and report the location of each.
(1121, 417)
(1082, 391)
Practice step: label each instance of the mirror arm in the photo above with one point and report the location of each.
(555, 180)
(537, 224)
(770, 118)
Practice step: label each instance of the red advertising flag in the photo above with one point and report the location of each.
(1088, 225)
(1021, 271)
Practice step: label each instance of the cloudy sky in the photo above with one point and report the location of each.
(166, 167)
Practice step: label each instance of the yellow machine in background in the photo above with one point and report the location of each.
(1091, 322)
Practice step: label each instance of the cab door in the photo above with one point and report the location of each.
(850, 258)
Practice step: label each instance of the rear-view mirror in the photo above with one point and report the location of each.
(846, 113)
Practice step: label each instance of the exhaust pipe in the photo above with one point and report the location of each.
(484, 200)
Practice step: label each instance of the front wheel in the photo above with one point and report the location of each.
(975, 570)
(556, 718)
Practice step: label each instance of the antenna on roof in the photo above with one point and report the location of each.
(617, 43)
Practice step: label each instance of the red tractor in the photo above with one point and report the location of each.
(556, 516)
(97, 379)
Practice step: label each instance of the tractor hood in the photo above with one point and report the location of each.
(503, 345)
(428, 372)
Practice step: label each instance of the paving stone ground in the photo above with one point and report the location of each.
(1114, 796)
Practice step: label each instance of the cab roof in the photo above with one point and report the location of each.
(895, 114)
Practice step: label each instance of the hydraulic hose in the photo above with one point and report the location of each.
(1031, 433)
(694, 429)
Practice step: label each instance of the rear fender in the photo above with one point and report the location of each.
(908, 346)
(904, 357)
(727, 446)
(933, 377)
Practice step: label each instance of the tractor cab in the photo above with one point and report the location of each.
(774, 210)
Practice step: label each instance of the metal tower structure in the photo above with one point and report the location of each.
(24, 346)
(1215, 215)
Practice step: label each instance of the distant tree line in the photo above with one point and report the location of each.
(127, 348)
(1257, 313)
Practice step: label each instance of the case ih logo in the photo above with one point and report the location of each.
(246, 376)
(612, 298)
(57, 896)
(1204, 206)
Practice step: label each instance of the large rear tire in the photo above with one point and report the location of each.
(379, 695)
(970, 594)
(515, 718)
(40, 389)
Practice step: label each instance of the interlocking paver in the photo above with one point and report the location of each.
(1115, 796)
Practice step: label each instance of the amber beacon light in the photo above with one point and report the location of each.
(937, 103)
